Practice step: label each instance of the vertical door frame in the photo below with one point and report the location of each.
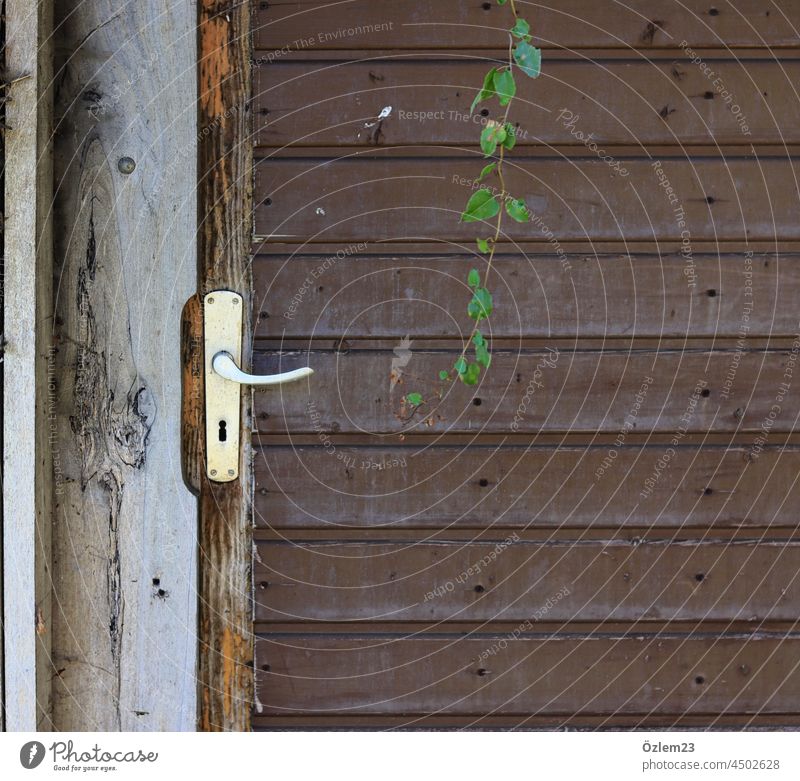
(225, 643)
(86, 527)
(225, 206)
(27, 300)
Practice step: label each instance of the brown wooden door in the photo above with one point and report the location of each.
(602, 531)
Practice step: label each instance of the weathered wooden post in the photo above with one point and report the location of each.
(124, 561)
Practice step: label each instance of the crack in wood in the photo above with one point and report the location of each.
(110, 427)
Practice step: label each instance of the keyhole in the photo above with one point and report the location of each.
(223, 434)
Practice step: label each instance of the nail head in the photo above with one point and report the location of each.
(126, 165)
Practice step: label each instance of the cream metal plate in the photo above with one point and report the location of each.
(222, 316)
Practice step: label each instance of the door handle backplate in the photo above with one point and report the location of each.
(222, 332)
(222, 337)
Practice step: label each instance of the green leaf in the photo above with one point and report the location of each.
(481, 350)
(517, 210)
(474, 278)
(501, 2)
(521, 29)
(470, 376)
(443, 375)
(491, 136)
(460, 365)
(504, 86)
(529, 59)
(487, 90)
(510, 140)
(480, 306)
(487, 169)
(414, 398)
(481, 206)
(483, 244)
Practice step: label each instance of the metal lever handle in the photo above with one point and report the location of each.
(224, 365)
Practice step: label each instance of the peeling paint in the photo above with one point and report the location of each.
(385, 112)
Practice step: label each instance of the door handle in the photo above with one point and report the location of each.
(222, 338)
(224, 365)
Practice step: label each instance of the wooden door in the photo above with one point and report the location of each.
(601, 533)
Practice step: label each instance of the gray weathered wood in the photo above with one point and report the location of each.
(124, 639)
(27, 457)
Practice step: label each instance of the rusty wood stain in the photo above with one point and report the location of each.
(225, 665)
(650, 30)
(192, 376)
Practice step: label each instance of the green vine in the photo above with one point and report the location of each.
(486, 204)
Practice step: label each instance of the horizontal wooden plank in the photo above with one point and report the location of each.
(755, 722)
(528, 344)
(276, 248)
(350, 294)
(385, 488)
(541, 628)
(508, 579)
(404, 24)
(566, 675)
(631, 101)
(526, 440)
(669, 391)
(380, 195)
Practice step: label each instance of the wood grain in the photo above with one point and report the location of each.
(388, 489)
(581, 722)
(27, 299)
(635, 434)
(225, 674)
(537, 392)
(192, 394)
(350, 295)
(498, 577)
(393, 194)
(605, 101)
(124, 568)
(640, 24)
(557, 676)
